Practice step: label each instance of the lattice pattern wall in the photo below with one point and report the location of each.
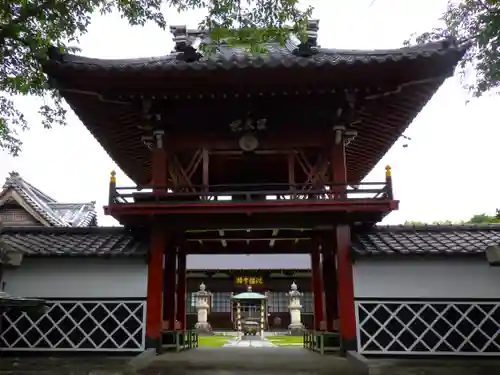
(221, 302)
(101, 326)
(307, 302)
(428, 327)
(279, 301)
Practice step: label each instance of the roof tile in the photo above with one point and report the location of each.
(227, 57)
(427, 239)
(46, 241)
(390, 240)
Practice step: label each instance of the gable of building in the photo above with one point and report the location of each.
(14, 211)
(22, 204)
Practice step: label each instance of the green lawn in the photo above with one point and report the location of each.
(286, 340)
(213, 340)
(277, 340)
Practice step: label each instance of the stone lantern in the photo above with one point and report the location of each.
(202, 305)
(296, 326)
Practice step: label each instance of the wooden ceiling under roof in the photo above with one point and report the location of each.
(196, 101)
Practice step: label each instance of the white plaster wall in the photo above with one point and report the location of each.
(78, 278)
(426, 278)
(373, 278)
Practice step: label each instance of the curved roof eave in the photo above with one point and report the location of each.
(276, 56)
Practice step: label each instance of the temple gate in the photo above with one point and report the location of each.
(237, 153)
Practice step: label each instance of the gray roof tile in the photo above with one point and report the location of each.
(427, 239)
(227, 57)
(96, 241)
(6, 300)
(390, 241)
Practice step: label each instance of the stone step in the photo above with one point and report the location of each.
(63, 365)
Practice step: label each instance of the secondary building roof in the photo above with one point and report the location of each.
(431, 240)
(8, 301)
(46, 211)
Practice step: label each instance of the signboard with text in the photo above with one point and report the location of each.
(249, 280)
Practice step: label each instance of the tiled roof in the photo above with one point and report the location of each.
(96, 241)
(227, 57)
(6, 300)
(427, 239)
(57, 214)
(390, 240)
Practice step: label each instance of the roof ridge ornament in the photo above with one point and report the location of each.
(184, 40)
(309, 47)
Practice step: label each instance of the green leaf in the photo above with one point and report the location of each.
(476, 22)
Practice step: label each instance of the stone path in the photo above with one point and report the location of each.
(250, 344)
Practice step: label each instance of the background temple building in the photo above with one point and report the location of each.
(22, 204)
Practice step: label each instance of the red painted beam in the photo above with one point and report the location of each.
(364, 205)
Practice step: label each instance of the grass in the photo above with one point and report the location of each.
(220, 340)
(213, 340)
(286, 340)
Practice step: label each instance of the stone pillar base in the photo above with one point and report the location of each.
(203, 329)
(296, 329)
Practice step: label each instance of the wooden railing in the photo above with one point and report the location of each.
(219, 194)
(179, 340)
(321, 342)
(248, 193)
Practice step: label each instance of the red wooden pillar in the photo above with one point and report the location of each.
(181, 288)
(346, 290)
(154, 288)
(159, 173)
(317, 286)
(330, 285)
(169, 287)
(338, 170)
(342, 247)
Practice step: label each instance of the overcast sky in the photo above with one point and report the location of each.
(447, 172)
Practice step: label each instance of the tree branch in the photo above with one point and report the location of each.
(25, 14)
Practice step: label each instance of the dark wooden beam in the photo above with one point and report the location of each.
(266, 273)
(259, 235)
(318, 220)
(283, 141)
(253, 247)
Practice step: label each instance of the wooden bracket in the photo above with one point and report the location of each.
(182, 175)
(315, 171)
